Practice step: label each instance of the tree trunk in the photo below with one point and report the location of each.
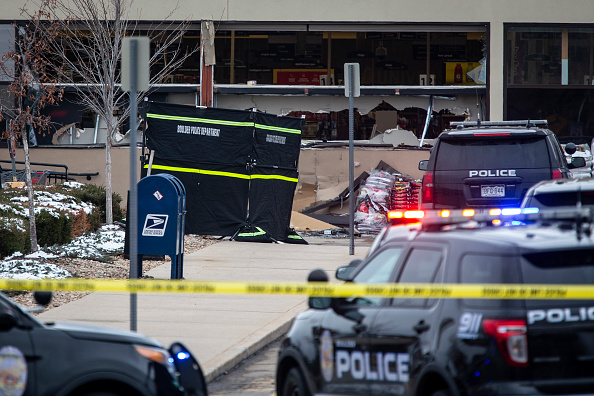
(108, 190)
(29, 185)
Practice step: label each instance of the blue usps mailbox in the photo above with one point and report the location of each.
(161, 220)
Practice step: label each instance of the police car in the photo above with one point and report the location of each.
(60, 359)
(453, 346)
(486, 164)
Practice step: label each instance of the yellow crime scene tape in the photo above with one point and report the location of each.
(317, 289)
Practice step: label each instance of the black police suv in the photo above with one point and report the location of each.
(441, 346)
(491, 164)
(59, 359)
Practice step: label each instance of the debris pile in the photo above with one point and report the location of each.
(405, 193)
(384, 191)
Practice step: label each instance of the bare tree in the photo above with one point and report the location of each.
(32, 89)
(88, 56)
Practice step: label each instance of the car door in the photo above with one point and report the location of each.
(17, 357)
(403, 331)
(343, 338)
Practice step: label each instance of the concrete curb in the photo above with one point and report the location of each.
(253, 343)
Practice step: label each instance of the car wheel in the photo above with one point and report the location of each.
(294, 384)
(441, 393)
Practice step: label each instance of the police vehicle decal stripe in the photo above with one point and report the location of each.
(225, 174)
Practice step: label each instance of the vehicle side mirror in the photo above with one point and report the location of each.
(319, 275)
(570, 148)
(577, 162)
(344, 273)
(423, 165)
(7, 321)
(191, 377)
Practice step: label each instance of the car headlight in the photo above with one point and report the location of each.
(158, 355)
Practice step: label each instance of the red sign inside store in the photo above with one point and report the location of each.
(298, 76)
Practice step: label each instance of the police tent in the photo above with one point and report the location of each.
(239, 167)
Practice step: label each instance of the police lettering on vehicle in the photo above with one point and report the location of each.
(389, 366)
(561, 315)
(361, 365)
(492, 172)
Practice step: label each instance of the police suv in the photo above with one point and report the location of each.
(62, 359)
(439, 346)
(491, 164)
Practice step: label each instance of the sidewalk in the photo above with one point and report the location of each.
(220, 330)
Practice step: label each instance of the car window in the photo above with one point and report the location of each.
(558, 150)
(420, 267)
(377, 270)
(569, 267)
(563, 267)
(489, 268)
(566, 198)
(493, 153)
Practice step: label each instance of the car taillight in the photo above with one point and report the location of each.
(427, 188)
(511, 339)
(556, 174)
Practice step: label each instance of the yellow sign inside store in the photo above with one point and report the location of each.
(408, 290)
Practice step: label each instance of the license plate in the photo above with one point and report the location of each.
(493, 191)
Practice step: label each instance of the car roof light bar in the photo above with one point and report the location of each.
(434, 219)
(524, 123)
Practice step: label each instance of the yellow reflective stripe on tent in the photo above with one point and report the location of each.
(200, 171)
(277, 177)
(278, 129)
(226, 174)
(251, 234)
(195, 119)
(294, 237)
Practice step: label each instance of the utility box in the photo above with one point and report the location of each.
(161, 219)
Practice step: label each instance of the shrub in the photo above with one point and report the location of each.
(96, 195)
(13, 240)
(53, 229)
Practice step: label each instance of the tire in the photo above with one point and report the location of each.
(294, 384)
(441, 393)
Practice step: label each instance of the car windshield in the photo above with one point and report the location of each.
(492, 153)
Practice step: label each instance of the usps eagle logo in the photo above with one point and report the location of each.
(155, 225)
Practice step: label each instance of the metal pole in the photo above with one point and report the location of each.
(427, 120)
(132, 216)
(351, 163)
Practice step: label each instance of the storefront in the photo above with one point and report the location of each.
(549, 73)
(258, 63)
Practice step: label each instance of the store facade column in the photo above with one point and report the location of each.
(495, 76)
(207, 63)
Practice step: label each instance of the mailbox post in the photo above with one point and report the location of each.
(161, 220)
